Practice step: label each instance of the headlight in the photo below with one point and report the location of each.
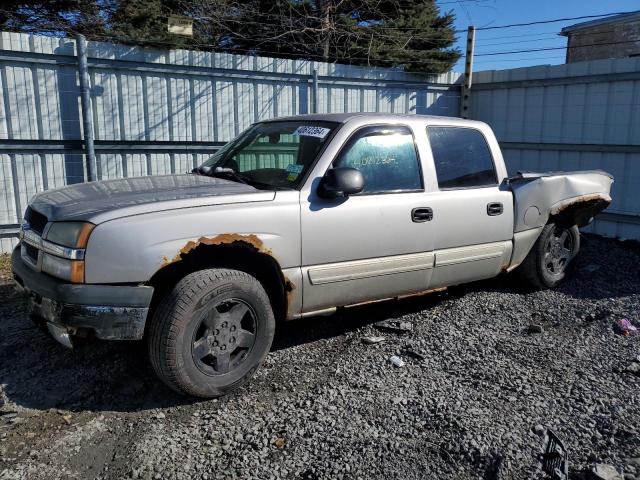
(63, 250)
(70, 234)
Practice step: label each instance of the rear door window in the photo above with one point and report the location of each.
(462, 158)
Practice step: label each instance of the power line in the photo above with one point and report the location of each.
(555, 20)
(552, 32)
(544, 34)
(522, 59)
(554, 48)
(543, 39)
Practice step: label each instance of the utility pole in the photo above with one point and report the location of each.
(85, 104)
(314, 98)
(465, 94)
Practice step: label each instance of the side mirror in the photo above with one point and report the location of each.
(340, 182)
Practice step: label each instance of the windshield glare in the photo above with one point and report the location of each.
(276, 154)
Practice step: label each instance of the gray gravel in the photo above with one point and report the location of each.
(488, 368)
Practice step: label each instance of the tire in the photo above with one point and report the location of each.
(211, 332)
(549, 260)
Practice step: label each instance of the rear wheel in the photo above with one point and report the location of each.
(211, 333)
(547, 263)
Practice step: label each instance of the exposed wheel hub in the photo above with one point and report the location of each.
(224, 337)
(558, 251)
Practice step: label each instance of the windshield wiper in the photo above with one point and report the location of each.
(231, 174)
(220, 172)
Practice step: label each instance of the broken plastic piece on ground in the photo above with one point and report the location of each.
(535, 328)
(626, 328)
(396, 361)
(553, 460)
(634, 368)
(395, 326)
(371, 340)
(603, 471)
(413, 354)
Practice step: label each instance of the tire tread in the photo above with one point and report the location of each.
(165, 329)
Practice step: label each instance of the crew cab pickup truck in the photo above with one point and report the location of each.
(295, 217)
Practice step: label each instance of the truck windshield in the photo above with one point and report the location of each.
(271, 154)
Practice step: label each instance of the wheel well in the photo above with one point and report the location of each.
(238, 255)
(578, 213)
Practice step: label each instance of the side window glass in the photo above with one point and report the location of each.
(387, 159)
(462, 157)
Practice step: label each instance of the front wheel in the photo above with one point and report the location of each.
(546, 264)
(211, 333)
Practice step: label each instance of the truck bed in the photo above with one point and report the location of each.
(574, 196)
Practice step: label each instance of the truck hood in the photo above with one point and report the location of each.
(99, 202)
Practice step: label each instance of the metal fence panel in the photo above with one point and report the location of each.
(577, 116)
(141, 96)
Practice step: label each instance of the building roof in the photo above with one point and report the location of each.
(623, 17)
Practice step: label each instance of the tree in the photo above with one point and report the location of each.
(54, 17)
(134, 21)
(410, 34)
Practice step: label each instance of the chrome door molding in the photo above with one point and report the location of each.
(372, 267)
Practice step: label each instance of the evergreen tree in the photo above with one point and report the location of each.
(54, 17)
(411, 34)
(145, 21)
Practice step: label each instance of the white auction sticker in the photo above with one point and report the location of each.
(310, 131)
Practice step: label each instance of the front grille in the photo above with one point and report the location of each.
(36, 220)
(32, 252)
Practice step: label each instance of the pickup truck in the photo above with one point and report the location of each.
(295, 217)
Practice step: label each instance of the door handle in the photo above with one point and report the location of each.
(421, 214)
(494, 208)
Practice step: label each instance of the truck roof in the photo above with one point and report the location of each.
(365, 117)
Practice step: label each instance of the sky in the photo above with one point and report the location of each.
(485, 13)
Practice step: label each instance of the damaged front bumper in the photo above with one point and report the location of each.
(108, 312)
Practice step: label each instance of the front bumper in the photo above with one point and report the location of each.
(110, 312)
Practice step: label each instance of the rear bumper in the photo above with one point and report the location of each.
(110, 312)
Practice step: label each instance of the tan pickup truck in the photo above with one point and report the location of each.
(296, 217)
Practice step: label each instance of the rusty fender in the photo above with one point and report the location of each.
(249, 240)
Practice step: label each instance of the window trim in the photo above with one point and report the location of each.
(336, 126)
(388, 126)
(435, 168)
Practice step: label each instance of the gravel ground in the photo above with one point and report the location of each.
(326, 405)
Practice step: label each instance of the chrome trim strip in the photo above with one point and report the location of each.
(64, 252)
(373, 267)
(472, 253)
(32, 238)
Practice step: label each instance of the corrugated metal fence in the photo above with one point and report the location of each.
(165, 111)
(578, 116)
